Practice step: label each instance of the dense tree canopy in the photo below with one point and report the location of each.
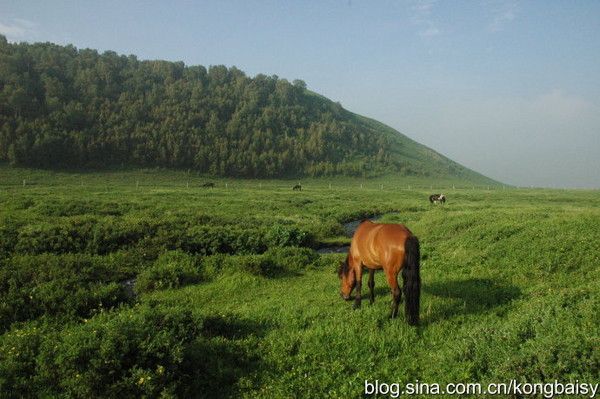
(61, 107)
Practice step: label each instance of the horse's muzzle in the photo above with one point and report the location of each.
(346, 297)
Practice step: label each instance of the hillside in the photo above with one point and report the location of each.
(62, 107)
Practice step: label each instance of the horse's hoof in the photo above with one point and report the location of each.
(356, 305)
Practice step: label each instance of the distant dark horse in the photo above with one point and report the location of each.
(437, 198)
(208, 185)
(297, 187)
(391, 247)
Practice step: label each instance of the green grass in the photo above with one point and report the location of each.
(509, 286)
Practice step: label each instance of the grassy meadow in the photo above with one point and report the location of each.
(145, 284)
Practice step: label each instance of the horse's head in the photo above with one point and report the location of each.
(347, 278)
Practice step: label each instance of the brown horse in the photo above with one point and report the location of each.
(391, 247)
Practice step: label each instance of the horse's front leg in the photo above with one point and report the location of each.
(371, 284)
(392, 279)
(358, 297)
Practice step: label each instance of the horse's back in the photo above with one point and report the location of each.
(379, 244)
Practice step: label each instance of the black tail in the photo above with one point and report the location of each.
(412, 280)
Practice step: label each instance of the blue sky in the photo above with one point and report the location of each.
(508, 88)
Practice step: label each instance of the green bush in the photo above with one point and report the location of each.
(151, 236)
(50, 238)
(259, 265)
(210, 240)
(8, 237)
(71, 285)
(112, 235)
(274, 262)
(137, 352)
(280, 235)
(171, 270)
(80, 207)
(328, 228)
(149, 350)
(18, 351)
(292, 259)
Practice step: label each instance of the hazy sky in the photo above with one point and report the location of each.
(508, 88)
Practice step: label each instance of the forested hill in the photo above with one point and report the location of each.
(61, 107)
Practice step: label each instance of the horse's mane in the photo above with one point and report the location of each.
(344, 267)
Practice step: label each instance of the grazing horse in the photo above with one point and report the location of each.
(391, 247)
(437, 198)
(208, 185)
(297, 187)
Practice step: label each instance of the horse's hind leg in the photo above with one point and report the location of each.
(396, 292)
(371, 285)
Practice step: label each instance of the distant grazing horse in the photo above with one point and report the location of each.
(297, 187)
(437, 198)
(391, 247)
(208, 185)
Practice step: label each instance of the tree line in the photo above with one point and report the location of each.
(63, 107)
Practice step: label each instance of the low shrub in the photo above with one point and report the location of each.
(9, 232)
(274, 262)
(50, 238)
(71, 286)
(112, 235)
(149, 350)
(280, 235)
(210, 240)
(292, 259)
(138, 352)
(328, 228)
(171, 270)
(18, 352)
